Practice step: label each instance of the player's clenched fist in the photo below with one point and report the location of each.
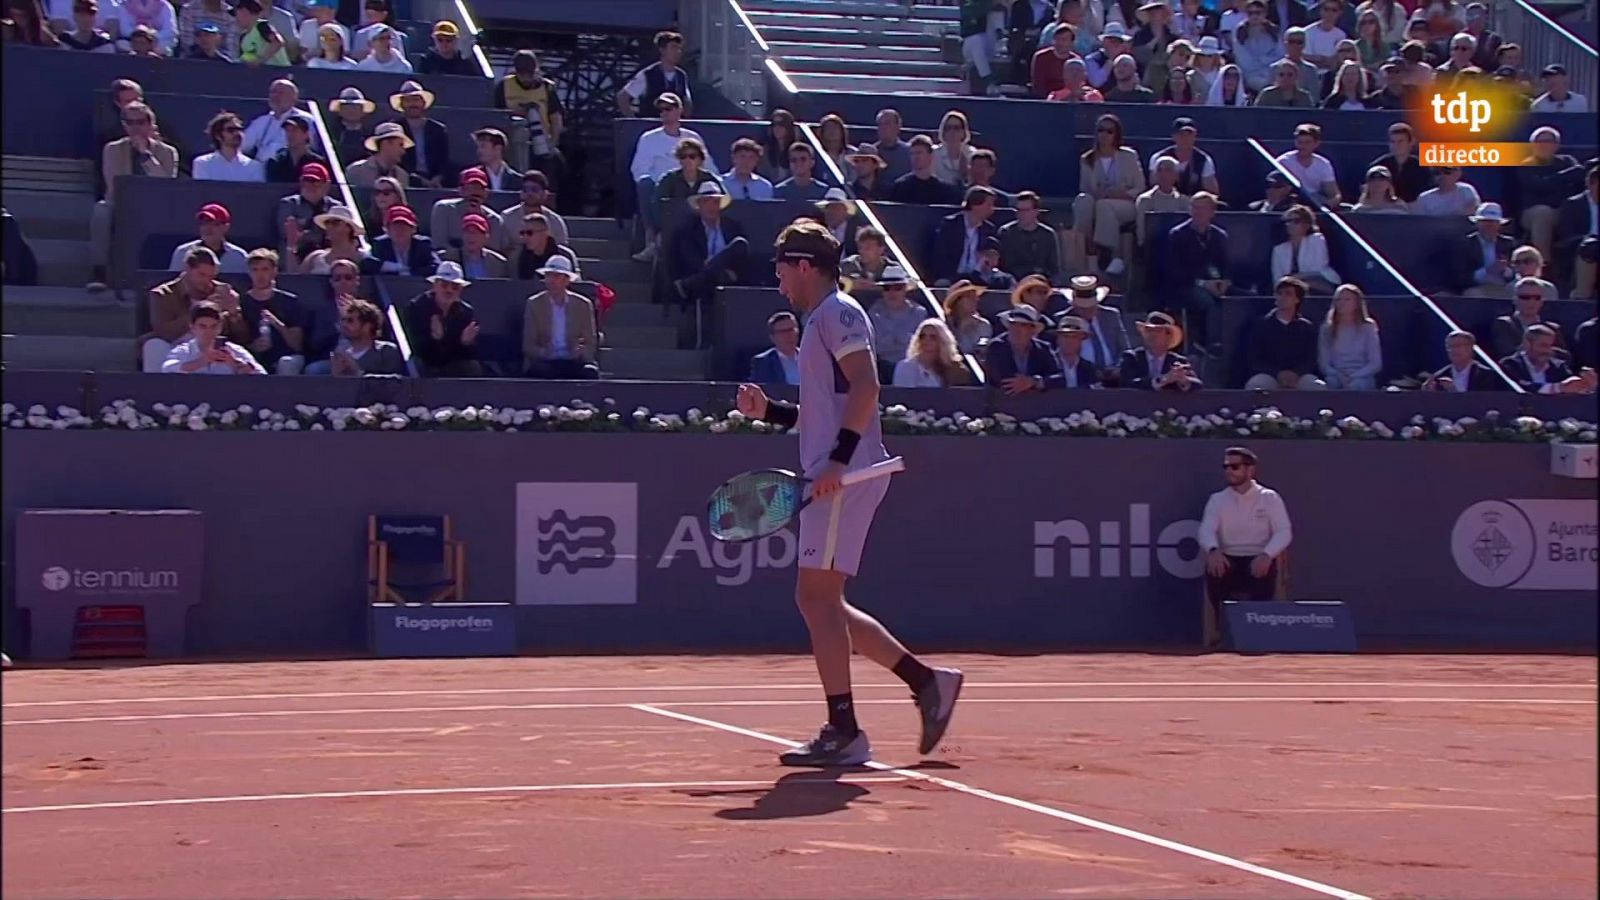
(752, 401)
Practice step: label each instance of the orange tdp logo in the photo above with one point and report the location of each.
(1468, 125)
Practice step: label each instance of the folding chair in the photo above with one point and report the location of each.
(420, 546)
(1211, 607)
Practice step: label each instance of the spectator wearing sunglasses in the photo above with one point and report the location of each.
(360, 350)
(140, 152)
(1508, 332)
(1244, 532)
(537, 249)
(227, 161)
(445, 56)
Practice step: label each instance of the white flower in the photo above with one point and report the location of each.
(735, 416)
(719, 427)
(398, 422)
(340, 424)
(1334, 432)
(443, 416)
(1031, 428)
(291, 425)
(228, 418)
(316, 426)
(365, 416)
(469, 415)
(760, 427)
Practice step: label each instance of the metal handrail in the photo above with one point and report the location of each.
(731, 46)
(1404, 282)
(472, 28)
(1545, 41)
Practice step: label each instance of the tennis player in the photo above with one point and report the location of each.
(839, 432)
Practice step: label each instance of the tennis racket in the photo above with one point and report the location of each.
(762, 502)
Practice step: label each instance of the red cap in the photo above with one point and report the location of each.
(400, 214)
(313, 172)
(216, 212)
(475, 221)
(475, 176)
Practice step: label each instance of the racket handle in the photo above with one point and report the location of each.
(876, 470)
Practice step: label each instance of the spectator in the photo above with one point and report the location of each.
(978, 44)
(1075, 85)
(140, 153)
(742, 181)
(1477, 25)
(1528, 296)
(1510, 57)
(835, 140)
(1112, 179)
(206, 352)
(1125, 86)
(838, 211)
(1348, 88)
(321, 13)
(1377, 194)
(332, 52)
(477, 259)
(1483, 264)
(654, 156)
(386, 52)
(1155, 367)
(156, 15)
(684, 184)
(894, 320)
(1072, 369)
(1541, 184)
(1025, 22)
(296, 214)
(445, 56)
(1323, 37)
(377, 16)
(1309, 77)
(1345, 52)
(85, 33)
(260, 44)
(1113, 43)
(1539, 371)
(708, 253)
(957, 239)
(428, 156)
(344, 233)
(286, 165)
(213, 221)
(1372, 48)
(1287, 14)
(1392, 18)
(1309, 167)
(535, 199)
(529, 94)
(953, 155)
(1463, 373)
(781, 135)
(142, 43)
(443, 327)
(265, 135)
(1586, 345)
(660, 77)
(1207, 67)
(361, 352)
(1256, 46)
(981, 172)
(170, 304)
(1280, 195)
(559, 337)
(1409, 177)
(1244, 532)
(388, 146)
(194, 13)
(1045, 70)
(1179, 92)
(1450, 197)
(1162, 198)
(386, 192)
(800, 185)
(322, 316)
(1395, 93)
(491, 143)
(1578, 234)
(869, 183)
(1348, 351)
(227, 161)
(1463, 48)
(1086, 24)
(286, 24)
(274, 316)
(536, 250)
(349, 130)
(780, 363)
(207, 44)
(444, 222)
(1035, 291)
(1285, 89)
(1027, 245)
(1283, 344)
(1228, 89)
(921, 185)
(1527, 262)
(1107, 336)
(1189, 21)
(989, 274)
(401, 251)
(1021, 362)
(1196, 170)
(870, 258)
(1198, 267)
(970, 327)
(933, 359)
(1556, 97)
(1305, 254)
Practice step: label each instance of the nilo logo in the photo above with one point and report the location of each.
(734, 563)
(58, 578)
(1088, 558)
(576, 542)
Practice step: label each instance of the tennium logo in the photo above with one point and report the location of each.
(110, 581)
(575, 542)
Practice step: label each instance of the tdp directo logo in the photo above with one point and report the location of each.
(1466, 125)
(576, 542)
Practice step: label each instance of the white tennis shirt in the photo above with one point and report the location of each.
(837, 327)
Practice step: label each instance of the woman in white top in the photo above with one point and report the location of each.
(1377, 195)
(971, 329)
(1450, 196)
(953, 156)
(330, 50)
(1348, 351)
(386, 53)
(836, 142)
(932, 359)
(1305, 254)
(344, 231)
(1228, 88)
(1349, 88)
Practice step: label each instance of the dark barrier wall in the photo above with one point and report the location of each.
(606, 15)
(953, 562)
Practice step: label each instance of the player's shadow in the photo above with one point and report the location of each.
(794, 796)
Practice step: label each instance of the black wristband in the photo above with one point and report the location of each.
(844, 447)
(782, 414)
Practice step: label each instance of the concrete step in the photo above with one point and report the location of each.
(47, 173)
(856, 49)
(62, 262)
(868, 64)
(881, 84)
(600, 248)
(600, 229)
(615, 271)
(642, 315)
(882, 8)
(656, 365)
(835, 34)
(642, 337)
(856, 24)
(98, 354)
(69, 311)
(49, 214)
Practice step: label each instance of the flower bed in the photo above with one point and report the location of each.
(577, 416)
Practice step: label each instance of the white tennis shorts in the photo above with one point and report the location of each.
(833, 531)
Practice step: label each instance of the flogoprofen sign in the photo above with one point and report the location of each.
(1466, 126)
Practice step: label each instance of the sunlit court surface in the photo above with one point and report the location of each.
(1069, 776)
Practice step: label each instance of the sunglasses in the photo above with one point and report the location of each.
(1233, 466)
(444, 40)
(232, 129)
(1530, 296)
(1295, 41)
(534, 231)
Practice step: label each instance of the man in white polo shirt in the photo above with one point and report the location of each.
(1244, 531)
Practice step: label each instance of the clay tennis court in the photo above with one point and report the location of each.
(1083, 776)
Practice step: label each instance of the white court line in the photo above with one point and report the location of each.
(1120, 831)
(505, 707)
(328, 695)
(435, 792)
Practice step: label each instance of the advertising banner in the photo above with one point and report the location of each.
(444, 630)
(1528, 545)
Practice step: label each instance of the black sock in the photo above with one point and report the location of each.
(913, 673)
(842, 715)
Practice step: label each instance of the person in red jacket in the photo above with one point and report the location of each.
(1045, 77)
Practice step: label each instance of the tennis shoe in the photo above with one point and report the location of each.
(829, 748)
(936, 702)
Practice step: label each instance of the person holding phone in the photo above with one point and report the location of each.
(207, 351)
(260, 44)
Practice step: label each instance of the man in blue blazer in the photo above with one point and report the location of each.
(1155, 367)
(1463, 373)
(1075, 370)
(958, 238)
(401, 251)
(780, 364)
(1020, 362)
